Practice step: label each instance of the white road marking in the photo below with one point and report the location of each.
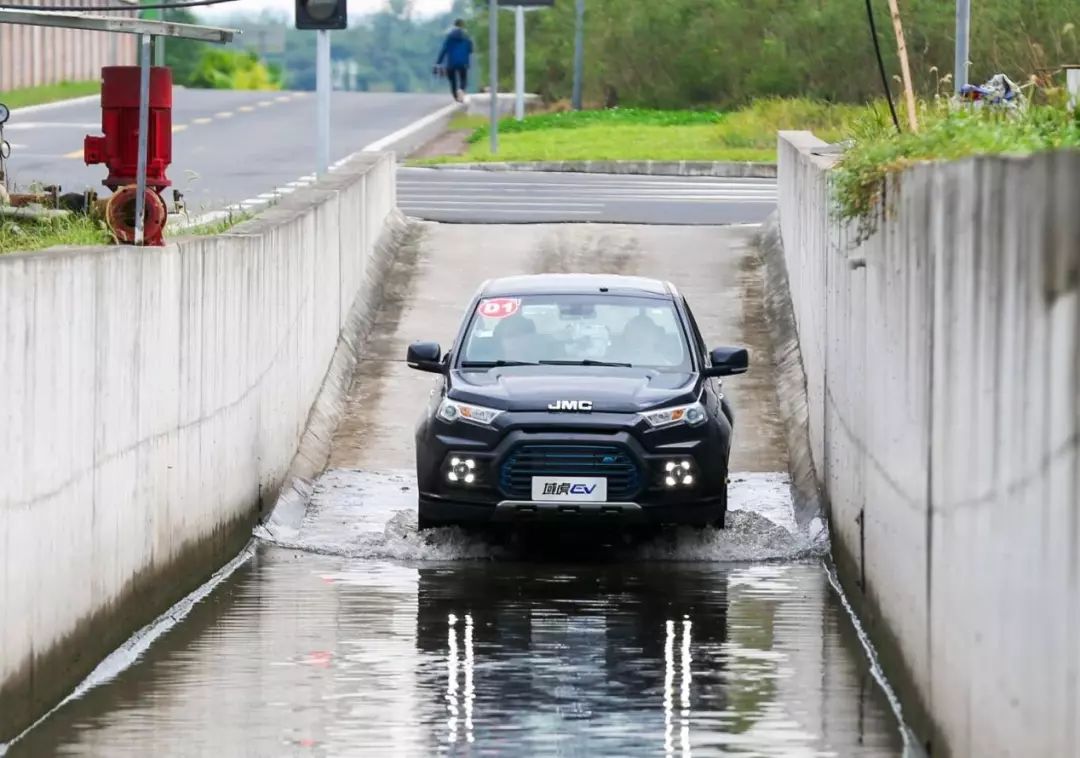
(224, 114)
(16, 126)
(509, 204)
(605, 196)
(202, 120)
(489, 211)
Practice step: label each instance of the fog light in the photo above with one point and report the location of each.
(679, 473)
(462, 470)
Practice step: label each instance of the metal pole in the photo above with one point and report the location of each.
(963, 36)
(144, 125)
(519, 62)
(493, 65)
(579, 53)
(157, 44)
(322, 87)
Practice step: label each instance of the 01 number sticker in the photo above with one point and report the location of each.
(499, 307)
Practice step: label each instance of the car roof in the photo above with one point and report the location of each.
(575, 284)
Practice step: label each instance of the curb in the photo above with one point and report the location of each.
(32, 109)
(719, 169)
(403, 141)
(416, 134)
(809, 501)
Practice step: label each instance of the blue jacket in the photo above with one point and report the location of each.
(456, 49)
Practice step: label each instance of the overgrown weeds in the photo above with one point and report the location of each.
(25, 235)
(947, 132)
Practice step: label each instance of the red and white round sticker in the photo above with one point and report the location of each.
(499, 307)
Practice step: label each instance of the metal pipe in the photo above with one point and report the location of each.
(579, 53)
(322, 87)
(493, 66)
(144, 125)
(963, 36)
(519, 62)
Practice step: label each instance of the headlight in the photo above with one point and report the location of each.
(693, 414)
(451, 410)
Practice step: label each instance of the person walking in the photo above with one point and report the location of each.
(456, 50)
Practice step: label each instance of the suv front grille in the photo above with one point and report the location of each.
(527, 460)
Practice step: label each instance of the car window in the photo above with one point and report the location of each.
(606, 328)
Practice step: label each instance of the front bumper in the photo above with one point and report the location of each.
(495, 497)
(512, 512)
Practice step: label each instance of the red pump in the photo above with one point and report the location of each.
(118, 149)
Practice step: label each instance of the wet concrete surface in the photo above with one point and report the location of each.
(350, 633)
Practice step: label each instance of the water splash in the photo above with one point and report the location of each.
(371, 515)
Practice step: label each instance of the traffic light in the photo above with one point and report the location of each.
(321, 14)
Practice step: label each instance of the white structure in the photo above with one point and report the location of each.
(32, 55)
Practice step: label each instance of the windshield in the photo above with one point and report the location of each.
(576, 329)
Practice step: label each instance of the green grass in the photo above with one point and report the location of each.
(216, 227)
(945, 134)
(19, 235)
(19, 98)
(643, 142)
(638, 134)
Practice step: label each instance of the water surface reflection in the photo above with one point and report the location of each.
(300, 654)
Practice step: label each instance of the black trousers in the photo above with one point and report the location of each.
(459, 79)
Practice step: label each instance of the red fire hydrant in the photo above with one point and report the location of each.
(118, 149)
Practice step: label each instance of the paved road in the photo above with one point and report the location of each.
(228, 146)
(347, 633)
(463, 196)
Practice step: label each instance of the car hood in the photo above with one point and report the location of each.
(534, 388)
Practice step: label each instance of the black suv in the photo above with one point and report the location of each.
(575, 398)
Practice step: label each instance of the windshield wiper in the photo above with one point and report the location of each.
(494, 364)
(586, 362)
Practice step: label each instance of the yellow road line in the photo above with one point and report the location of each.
(202, 120)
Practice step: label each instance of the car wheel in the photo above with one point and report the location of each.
(718, 522)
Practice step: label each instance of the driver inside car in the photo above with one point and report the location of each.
(516, 339)
(644, 342)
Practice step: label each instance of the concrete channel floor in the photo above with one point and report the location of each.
(353, 635)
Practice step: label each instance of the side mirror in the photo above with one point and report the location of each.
(425, 356)
(728, 361)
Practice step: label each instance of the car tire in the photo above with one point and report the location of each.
(718, 522)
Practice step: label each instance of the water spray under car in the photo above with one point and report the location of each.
(575, 398)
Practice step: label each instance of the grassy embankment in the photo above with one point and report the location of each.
(49, 93)
(946, 133)
(19, 235)
(748, 134)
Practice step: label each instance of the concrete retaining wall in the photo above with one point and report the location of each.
(942, 366)
(152, 404)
